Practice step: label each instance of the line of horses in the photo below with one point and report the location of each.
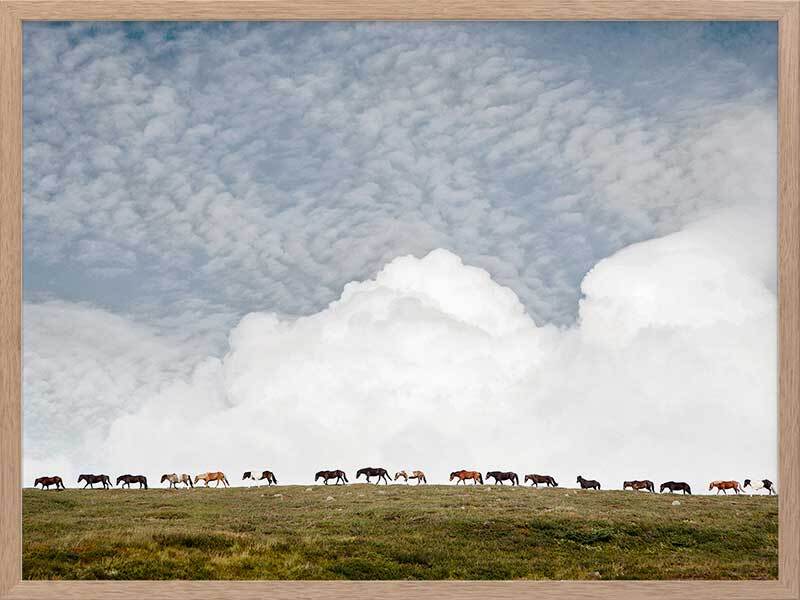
(382, 475)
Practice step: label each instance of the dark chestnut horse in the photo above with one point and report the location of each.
(588, 483)
(644, 484)
(501, 476)
(766, 484)
(338, 475)
(48, 481)
(129, 479)
(268, 475)
(379, 472)
(537, 479)
(676, 486)
(463, 475)
(92, 479)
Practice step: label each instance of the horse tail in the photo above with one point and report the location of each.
(344, 476)
(225, 479)
(144, 481)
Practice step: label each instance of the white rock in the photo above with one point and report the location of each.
(676, 503)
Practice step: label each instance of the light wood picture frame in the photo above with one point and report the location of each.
(14, 13)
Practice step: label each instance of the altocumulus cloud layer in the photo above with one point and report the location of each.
(304, 246)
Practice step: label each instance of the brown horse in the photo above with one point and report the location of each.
(48, 481)
(338, 475)
(174, 480)
(588, 483)
(537, 479)
(418, 475)
(92, 479)
(217, 476)
(129, 479)
(644, 484)
(501, 476)
(379, 472)
(463, 475)
(676, 486)
(725, 485)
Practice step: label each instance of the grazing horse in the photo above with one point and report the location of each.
(48, 481)
(588, 483)
(338, 475)
(92, 479)
(268, 475)
(217, 476)
(676, 486)
(129, 479)
(766, 484)
(501, 476)
(418, 475)
(537, 479)
(463, 475)
(174, 480)
(378, 472)
(644, 484)
(725, 485)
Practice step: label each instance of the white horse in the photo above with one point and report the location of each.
(766, 484)
(174, 480)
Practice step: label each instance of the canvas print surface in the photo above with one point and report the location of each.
(400, 301)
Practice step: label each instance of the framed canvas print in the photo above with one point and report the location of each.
(372, 300)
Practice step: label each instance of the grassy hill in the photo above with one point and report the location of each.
(396, 532)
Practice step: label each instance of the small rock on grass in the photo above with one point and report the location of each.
(676, 503)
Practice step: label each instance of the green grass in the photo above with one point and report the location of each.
(396, 532)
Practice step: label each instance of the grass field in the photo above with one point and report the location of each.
(396, 532)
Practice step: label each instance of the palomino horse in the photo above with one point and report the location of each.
(92, 479)
(418, 475)
(48, 481)
(537, 479)
(338, 475)
(378, 472)
(129, 479)
(174, 480)
(268, 475)
(766, 484)
(217, 476)
(676, 486)
(725, 485)
(501, 476)
(588, 483)
(644, 484)
(463, 475)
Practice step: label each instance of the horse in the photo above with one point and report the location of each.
(676, 486)
(766, 484)
(338, 475)
(217, 476)
(537, 479)
(174, 480)
(501, 476)
(725, 485)
(588, 483)
(48, 481)
(418, 475)
(92, 479)
(644, 484)
(378, 472)
(129, 479)
(463, 475)
(268, 475)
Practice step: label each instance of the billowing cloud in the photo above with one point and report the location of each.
(670, 372)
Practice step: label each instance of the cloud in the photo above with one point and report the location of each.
(266, 165)
(669, 373)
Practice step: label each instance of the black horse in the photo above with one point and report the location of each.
(92, 479)
(378, 472)
(537, 479)
(766, 484)
(129, 479)
(46, 482)
(501, 476)
(338, 475)
(675, 486)
(588, 483)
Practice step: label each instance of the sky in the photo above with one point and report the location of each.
(541, 247)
